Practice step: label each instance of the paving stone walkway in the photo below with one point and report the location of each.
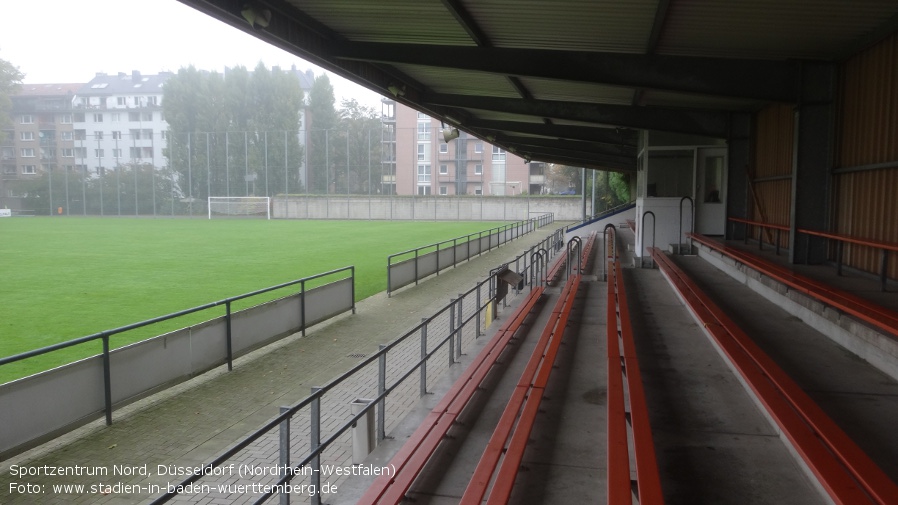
(189, 424)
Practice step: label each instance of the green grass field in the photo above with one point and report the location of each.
(63, 278)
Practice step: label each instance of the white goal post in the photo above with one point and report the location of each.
(240, 206)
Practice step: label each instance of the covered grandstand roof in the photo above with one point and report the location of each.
(571, 81)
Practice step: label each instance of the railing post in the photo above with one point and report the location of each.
(302, 306)
(315, 442)
(451, 331)
(692, 223)
(107, 380)
(479, 310)
(416, 266)
(228, 335)
(381, 389)
(423, 381)
(461, 299)
(884, 269)
(352, 274)
(778, 241)
(438, 258)
(284, 451)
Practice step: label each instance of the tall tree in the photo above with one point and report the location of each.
(235, 134)
(360, 127)
(323, 152)
(10, 80)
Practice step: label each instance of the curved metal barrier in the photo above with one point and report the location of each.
(680, 237)
(642, 237)
(613, 255)
(575, 243)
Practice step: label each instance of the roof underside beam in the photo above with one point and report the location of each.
(625, 138)
(522, 143)
(596, 163)
(707, 123)
(752, 79)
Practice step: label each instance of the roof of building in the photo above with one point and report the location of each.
(571, 81)
(51, 89)
(124, 83)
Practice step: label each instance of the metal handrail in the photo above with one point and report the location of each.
(539, 258)
(537, 222)
(691, 219)
(384, 391)
(605, 248)
(841, 240)
(761, 227)
(572, 243)
(106, 334)
(642, 238)
(601, 215)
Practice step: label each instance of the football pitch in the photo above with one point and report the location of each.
(63, 278)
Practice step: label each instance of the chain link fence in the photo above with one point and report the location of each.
(142, 172)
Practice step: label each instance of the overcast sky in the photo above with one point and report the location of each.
(69, 41)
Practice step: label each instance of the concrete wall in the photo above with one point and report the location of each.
(439, 208)
(39, 407)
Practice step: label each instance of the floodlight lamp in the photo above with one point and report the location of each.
(396, 90)
(256, 16)
(450, 133)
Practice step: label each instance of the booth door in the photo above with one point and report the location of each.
(710, 191)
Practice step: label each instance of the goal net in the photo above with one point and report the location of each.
(240, 206)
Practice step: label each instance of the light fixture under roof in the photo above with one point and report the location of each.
(450, 133)
(256, 16)
(396, 90)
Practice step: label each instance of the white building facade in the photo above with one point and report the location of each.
(118, 120)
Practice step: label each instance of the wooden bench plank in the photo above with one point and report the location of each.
(871, 313)
(525, 397)
(844, 470)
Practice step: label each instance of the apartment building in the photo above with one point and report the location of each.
(39, 138)
(417, 160)
(118, 120)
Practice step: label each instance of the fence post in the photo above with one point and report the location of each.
(228, 335)
(302, 306)
(460, 324)
(479, 310)
(284, 453)
(451, 331)
(423, 381)
(107, 380)
(315, 432)
(381, 389)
